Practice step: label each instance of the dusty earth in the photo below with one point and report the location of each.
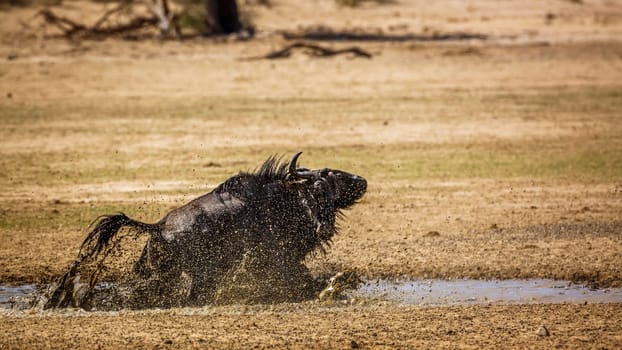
(497, 158)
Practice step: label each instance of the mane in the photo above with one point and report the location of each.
(273, 169)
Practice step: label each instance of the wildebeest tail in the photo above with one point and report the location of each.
(70, 289)
(106, 228)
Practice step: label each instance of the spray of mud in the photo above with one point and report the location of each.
(105, 282)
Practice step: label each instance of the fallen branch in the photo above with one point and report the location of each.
(323, 35)
(162, 18)
(109, 13)
(71, 28)
(67, 26)
(312, 50)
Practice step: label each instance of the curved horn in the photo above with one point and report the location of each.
(292, 164)
(293, 169)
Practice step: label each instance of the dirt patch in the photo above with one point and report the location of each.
(320, 327)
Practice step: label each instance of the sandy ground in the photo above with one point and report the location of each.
(570, 326)
(497, 158)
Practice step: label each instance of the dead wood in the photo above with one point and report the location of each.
(328, 35)
(71, 28)
(312, 50)
(104, 18)
(162, 18)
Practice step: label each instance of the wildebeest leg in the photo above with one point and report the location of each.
(203, 287)
(247, 280)
(69, 290)
(166, 288)
(141, 267)
(301, 285)
(160, 283)
(207, 272)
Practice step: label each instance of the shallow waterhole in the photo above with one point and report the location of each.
(472, 292)
(430, 292)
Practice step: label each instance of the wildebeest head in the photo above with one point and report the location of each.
(338, 186)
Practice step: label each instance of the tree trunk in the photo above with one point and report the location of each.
(222, 17)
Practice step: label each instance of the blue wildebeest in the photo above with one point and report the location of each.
(265, 223)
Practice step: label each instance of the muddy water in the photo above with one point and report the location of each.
(16, 296)
(430, 292)
(467, 292)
